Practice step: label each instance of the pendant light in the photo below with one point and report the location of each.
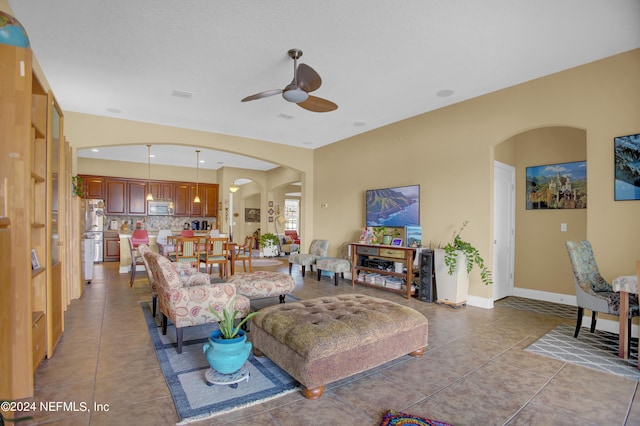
(197, 197)
(149, 194)
(234, 188)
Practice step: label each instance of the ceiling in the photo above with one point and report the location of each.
(380, 61)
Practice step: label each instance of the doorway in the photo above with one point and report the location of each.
(504, 184)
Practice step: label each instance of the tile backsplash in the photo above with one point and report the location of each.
(154, 223)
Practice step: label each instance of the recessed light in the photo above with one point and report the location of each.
(95, 150)
(152, 156)
(114, 110)
(445, 93)
(359, 123)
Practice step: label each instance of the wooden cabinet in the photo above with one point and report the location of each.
(93, 187)
(181, 201)
(370, 259)
(115, 201)
(162, 190)
(111, 247)
(210, 200)
(137, 198)
(195, 209)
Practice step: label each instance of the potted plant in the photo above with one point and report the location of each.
(453, 264)
(382, 235)
(269, 244)
(227, 349)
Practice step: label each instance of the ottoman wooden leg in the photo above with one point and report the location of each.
(314, 393)
(257, 352)
(281, 297)
(417, 352)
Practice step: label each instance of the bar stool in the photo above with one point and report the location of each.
(140, 236)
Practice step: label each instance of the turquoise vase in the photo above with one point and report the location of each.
(226, 356)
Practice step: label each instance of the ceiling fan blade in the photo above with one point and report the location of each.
(262, 95)
(308, 79)
(316, 104)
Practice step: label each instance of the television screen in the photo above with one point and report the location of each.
(393, 207)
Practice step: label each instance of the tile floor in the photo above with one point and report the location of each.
(473, 373)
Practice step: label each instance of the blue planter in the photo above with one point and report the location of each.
(226, 356)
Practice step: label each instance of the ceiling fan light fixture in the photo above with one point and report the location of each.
(296, 95)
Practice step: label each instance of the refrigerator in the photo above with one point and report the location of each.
(93, 221)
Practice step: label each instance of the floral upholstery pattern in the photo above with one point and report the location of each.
(262, 284)
(318, 248)
(332, 264)
(180, 267)
(187, 297)
(593, 292)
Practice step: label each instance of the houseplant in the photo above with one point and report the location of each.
(452, 264)
(269, 244)
(383, 235)
(227, 349)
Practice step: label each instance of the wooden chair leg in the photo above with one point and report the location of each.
(594, 316)
(290, 267)
(154, 303)
(303, 268)
(579, 321)
(335, 277)
(319, 273)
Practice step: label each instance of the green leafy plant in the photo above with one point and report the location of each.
(78, 187)
(471, 253)
(227, 323)
(268, 240)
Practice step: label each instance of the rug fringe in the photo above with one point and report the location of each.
(239, 407)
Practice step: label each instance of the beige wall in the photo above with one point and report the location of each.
(450, 153)
(541, 256)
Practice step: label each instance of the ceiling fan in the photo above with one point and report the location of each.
(305, 80)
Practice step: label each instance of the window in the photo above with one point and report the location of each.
(291, 210)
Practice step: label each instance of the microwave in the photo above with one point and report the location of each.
(160, 208)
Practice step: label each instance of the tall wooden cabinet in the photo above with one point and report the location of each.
(34, 176)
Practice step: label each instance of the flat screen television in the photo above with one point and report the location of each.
(393, 207)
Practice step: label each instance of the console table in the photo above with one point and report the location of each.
(360, 252)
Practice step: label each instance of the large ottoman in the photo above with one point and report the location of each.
(319, 341)
(260, 284)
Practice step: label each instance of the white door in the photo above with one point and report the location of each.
(504, 183)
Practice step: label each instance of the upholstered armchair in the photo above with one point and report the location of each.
(293, 235)
(142, 249)
(592, 291)
(318, 248)
(288, 244)
(187, 297)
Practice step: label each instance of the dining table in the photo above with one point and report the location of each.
(625, 285)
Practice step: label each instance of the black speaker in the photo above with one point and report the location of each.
(426, 291)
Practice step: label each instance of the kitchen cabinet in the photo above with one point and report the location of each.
(115, 200)
(93, 187)
(195, 209)
(162, 190)
(137, 198)
(181, 202)
(111, 247)
(210, 200)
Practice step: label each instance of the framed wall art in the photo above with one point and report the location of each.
(557, 186)
(626, 167)
(252, 215)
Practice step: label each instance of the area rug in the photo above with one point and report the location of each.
(185, 374)
(598, 350)
(261, 262)
(396, 418)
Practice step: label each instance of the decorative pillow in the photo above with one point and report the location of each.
(396, 418)
(288, 240)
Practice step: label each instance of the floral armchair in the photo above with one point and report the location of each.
(317, 249)
(187, 297)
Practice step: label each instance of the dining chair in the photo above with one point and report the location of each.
(244, 252)
(139, 236)
(188, 251)
(593, 292)
(215, 254)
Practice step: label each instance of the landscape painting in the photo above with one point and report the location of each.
(627, 167)
(393, 207)
(557, 186)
